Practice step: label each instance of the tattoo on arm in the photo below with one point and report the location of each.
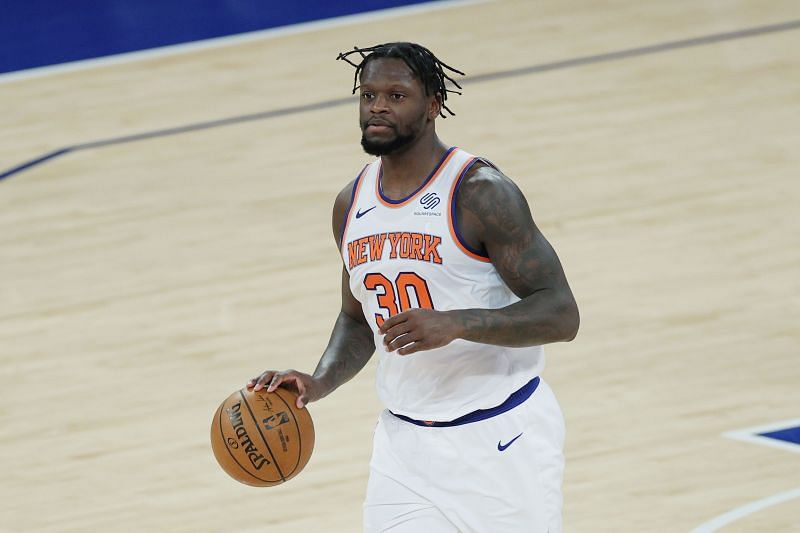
(350, 348)
(498, 220)
(352, 343)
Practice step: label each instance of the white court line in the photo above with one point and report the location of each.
(752, 435)
(745, 510)
(240, 38)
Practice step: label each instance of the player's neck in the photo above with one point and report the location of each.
(404, 172)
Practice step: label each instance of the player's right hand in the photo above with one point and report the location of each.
(308, 388)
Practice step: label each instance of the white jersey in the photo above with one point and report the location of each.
(403, 254)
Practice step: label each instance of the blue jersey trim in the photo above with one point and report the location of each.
(453, 216)
(350, 207)
(514, 400)
(424, 183)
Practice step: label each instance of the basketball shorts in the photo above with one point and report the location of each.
(501, 474)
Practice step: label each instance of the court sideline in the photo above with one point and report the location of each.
(144, 281)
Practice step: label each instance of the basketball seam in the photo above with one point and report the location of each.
(222, 434)
(274, 461)
(299, 433)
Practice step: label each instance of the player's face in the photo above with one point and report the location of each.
(394, 109)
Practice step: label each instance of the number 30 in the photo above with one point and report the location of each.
(395, 297)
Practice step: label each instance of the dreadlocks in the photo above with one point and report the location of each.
(425, 66)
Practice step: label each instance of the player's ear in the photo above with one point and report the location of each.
(435, 106)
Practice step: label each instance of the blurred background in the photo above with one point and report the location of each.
(46, 32)
(167, 172)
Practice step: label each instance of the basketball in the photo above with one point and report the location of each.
(261, 438)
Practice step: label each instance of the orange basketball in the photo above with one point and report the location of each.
(262, 438)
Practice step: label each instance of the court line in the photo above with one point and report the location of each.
(641, 51)
(746, 510)
(752, 435)
(240, 38)
(492, 76)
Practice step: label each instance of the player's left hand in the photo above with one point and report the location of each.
(416, 330)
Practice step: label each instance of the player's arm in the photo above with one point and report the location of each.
(352, 342)
(350, 346)
(494, 217)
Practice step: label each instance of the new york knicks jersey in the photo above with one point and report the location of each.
(407, 253)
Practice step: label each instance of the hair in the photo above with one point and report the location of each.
(425, 66)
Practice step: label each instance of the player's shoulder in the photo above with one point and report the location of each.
(482, 172)
(485, 183)
(342, 203)
(340, 206)
(345, 195)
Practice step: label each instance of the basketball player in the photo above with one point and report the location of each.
(448, 279)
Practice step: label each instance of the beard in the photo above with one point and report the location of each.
(386, 147)
(404, 136)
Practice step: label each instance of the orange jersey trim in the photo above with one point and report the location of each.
(415, 194)
(451, 210)
(356, 188)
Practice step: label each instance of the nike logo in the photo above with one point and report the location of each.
(361, 213)
(502, 447)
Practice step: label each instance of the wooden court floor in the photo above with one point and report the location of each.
(142, 282)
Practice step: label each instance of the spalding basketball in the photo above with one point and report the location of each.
(262, 438)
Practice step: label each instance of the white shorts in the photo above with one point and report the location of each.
(499, 475)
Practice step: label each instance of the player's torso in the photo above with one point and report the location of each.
(404, 254)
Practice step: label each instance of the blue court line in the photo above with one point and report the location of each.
(790, 435)
(215, 123)
(39, 33)
(37, 161)
(558, 65)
